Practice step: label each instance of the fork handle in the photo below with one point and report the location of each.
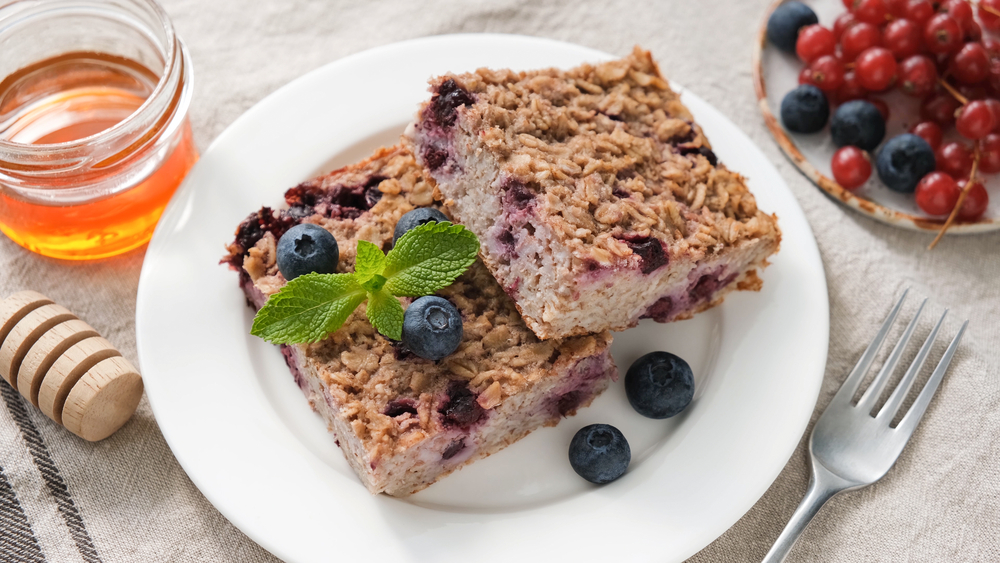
(823, 485)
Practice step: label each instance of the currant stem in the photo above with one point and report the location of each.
(993, 11)
(961, 197)
(951, 90)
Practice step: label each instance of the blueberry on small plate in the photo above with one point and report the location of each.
(415, 218)
(903, 161)
(785, 22)
(858, 123)
(659, 385)
(599, 453)
(805, 109)
(307, 248)
(432, 327)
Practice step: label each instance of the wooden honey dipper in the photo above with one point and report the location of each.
(63, 366)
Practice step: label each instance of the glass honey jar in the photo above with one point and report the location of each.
(94, 133)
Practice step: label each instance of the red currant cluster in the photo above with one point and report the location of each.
(935, 51)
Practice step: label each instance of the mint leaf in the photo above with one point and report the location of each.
(385, 314)
(375, 284)
(308, 308)
(428, 258)
(370, 261)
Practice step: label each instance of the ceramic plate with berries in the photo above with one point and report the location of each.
(245, 434)
(889, 105)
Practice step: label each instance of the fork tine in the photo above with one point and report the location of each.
(853, 381)
(916, 412)
(867, 401)
(899, 394)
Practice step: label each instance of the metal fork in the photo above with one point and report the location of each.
(849, 448)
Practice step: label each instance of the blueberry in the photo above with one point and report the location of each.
(415, 218)
(804, 109)
(785, 22)
(599, 453)
(432, 327)
(858, 123)
(659, 385)
(903, 161)
(307, 248)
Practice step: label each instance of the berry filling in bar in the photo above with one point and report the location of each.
(597, 199)
(403, 421)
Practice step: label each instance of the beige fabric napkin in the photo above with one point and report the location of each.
(127, 499)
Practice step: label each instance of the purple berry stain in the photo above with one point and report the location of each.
(649, 250)
(708, 285)
(461, 408)
(399, 407)
(704, 151)
(517, 194)
(620, 193)
(507, 242)
(434, 157)
(661, 311)
(453, 449)
(253, 228)
(569, 402)
(448, 98)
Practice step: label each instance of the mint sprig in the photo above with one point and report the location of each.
(311, 307)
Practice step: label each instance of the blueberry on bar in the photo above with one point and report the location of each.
(403, 421)
(596, 197)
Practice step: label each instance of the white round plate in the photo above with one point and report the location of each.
(244, 433)
(776, 73)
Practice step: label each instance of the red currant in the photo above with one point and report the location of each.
(975, 120)
(992, 47)
(806, 76)
(876, 69)
(940, 109)
(973, 92)
(994, 106)
(871, 11)
(976, 201)
(972, 31)
(993, 82)
(988, 10)
(849, 4)
(844, 22)
(930, 132)
(897, 8)
(942, 35)
(858, 38)
(881, 106)
(959, 10)
(814, 42)
(918, 75)
(850, 89)
(903, 37)
(971, 64)
(919, 11)
(955, 159)
(937, 193)
(989, 154)
(827, 73)
(851, 167)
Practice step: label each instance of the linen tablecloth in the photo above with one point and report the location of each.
(127, 498)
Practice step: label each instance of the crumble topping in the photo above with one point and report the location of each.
(604, 153)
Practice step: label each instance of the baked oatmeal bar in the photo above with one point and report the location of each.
(596, 197)
(404, 422)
